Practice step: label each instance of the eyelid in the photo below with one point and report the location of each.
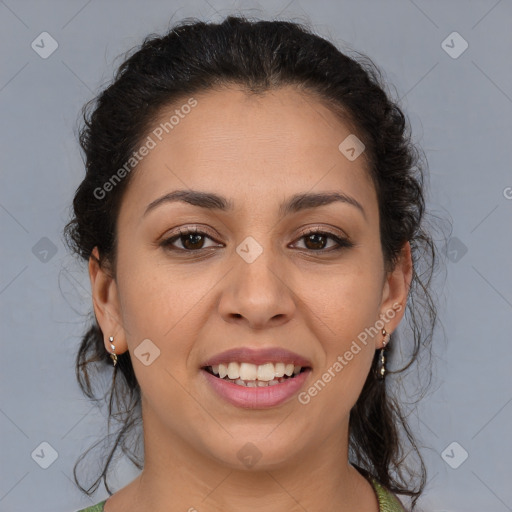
(303, 232)
(342, 240)
(191, 228)
(321, 228)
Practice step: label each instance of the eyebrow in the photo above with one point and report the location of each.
(294, 204)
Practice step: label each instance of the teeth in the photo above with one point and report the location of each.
(223, 370)
(248, 371)
(288, 369)
(279, 369)
(258, 383)
(251, 375)
(266, 372)
(233, 370)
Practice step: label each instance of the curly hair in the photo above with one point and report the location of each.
(194, 57)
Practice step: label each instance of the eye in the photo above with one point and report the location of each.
(190, 239)
(315, 240)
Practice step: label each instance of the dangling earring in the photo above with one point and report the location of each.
(382, 370)
(113, 355)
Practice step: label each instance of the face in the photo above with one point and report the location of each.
(261, 279)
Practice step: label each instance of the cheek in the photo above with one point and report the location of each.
(158, 305)
(346, 308)
(165, 304)
(348, 348)
(158, 300)
(347, 300)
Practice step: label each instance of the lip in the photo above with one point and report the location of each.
(256, 398)
(258, 356)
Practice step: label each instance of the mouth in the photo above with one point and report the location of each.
(252, 375)
(256, 378)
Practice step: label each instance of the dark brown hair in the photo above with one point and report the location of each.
(195, 57)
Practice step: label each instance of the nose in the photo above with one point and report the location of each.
(256, 293)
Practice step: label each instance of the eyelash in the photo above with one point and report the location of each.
(343, 243)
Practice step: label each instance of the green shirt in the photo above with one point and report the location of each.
(388, 502)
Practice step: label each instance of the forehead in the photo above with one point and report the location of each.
(240, 144)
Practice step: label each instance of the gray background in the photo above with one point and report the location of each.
(460, 109)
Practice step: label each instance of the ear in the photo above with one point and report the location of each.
(106, 304)
(395, 292)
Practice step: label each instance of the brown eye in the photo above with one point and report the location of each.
(317, 241)
(190, 240)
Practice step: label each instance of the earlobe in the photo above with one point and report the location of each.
(106, 304)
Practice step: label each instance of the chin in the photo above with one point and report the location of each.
(254, 452)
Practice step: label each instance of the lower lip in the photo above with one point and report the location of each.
(256, 398)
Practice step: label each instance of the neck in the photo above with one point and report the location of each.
(178, 476)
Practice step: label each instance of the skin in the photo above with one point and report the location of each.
(256, 151)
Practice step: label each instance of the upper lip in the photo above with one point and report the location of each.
(257, 356)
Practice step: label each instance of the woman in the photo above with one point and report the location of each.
(252, 216)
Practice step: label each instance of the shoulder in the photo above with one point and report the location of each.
(388, 502)
(95, 508)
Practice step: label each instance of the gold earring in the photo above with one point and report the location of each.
(113, 355)
(386, 338)
(382, 371)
